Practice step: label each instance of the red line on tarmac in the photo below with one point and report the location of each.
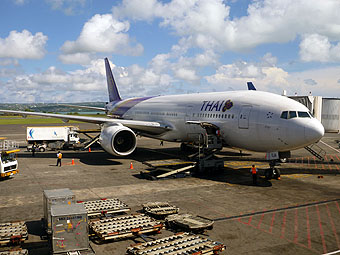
(258, 225)
(333, 226)
(308, 230)
(249, 221)
(321, 230)
(337, 157)
(308, 161)
(283, 228)
(337, 205)
(316, 167)
(296, 226)
(272, 223)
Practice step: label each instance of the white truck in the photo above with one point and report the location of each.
(8, 160)
(55, 138)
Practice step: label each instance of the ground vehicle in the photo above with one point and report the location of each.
(8, 161)
(56, 137)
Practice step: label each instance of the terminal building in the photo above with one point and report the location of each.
(326, 110)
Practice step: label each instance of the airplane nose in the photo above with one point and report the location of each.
(314, 132)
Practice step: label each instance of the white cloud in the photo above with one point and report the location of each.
(20, 2)
(76, 58)
(207, 24)
(69, 7)
(317, 47)
(103, 33)
(23, 45)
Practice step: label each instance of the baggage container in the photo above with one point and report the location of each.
(69, 228)
(55, 197)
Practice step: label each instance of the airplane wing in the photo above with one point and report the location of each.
(84, 107)
(146, 127)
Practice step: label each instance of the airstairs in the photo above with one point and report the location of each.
(316, 151)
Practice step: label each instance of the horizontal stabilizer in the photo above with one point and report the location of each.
(251, 86)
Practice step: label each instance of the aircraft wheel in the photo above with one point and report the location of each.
(276, 173)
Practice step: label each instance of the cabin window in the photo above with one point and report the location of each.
(284, 115)
(303, 115)
(292, 114)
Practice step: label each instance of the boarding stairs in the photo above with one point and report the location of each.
(316, 151)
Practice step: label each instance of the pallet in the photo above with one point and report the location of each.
(13, 233)
(124, 226)
(159, 209)
(15, 252)
(104, 206)
(189, 222)
(182, 243)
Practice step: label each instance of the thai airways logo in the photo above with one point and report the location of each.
(30, 133)
(217, 105)
(55, 133)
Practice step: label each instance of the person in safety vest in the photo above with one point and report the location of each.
(253, 172)
(59, 157)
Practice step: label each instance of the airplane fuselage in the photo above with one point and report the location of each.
(251, 120)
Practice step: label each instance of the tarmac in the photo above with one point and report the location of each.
(299, 214)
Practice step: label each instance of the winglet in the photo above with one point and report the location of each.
(251, 86)
(111, 84)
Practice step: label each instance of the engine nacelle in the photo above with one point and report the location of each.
(118, 140)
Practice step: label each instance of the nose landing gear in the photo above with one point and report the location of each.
(272, 172)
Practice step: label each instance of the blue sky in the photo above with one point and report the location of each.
(53, 50)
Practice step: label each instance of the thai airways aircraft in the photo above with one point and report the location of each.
(250, 119)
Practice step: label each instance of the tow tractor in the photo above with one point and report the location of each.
(8, 161)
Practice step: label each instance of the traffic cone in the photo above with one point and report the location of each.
(72, 162)
(131, 166)
(89, 149)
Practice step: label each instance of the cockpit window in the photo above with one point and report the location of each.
(303, 115)
(284, 115)
(292, 114)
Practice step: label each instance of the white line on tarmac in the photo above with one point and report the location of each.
(330, 146)
(334, 252)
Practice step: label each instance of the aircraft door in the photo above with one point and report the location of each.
(193, 130)
(243, 120)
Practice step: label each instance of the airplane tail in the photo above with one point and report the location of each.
(251, 86)
(111, 84)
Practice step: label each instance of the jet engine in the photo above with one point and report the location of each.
(118, 140)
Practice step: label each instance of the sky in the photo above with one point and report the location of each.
(53, 51)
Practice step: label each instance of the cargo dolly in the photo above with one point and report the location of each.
(13, 233)
(181, 243)
(159, 209)
(104, 206)
(124, 226)
(15, 252)
(188, 222)
(167, 168)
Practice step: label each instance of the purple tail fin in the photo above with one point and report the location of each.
(111, 84)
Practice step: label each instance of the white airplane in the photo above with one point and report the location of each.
(248, 120)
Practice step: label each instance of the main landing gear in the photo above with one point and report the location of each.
(272, 172)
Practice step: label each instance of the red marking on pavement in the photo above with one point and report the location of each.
(337, 205)
(321, 230)
(296, 226)
(258, 225)
(335, 164)
(249, 221)
(308, 230)
(316, 167)
(272, 223)
(337, 157)
(333, 226)
(283, 228)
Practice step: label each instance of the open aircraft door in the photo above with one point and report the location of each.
(243, 120)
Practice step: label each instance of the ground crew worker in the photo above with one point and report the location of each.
(33, 149)
(59, 157)
(253, 171)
